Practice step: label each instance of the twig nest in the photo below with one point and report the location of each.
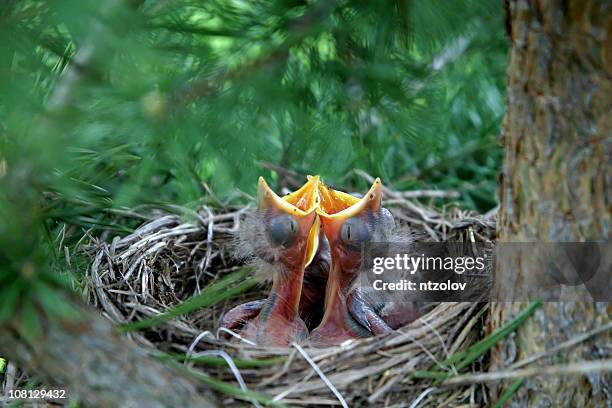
(173, 256)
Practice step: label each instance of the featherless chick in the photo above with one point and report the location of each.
(283, 240)
(349, 223)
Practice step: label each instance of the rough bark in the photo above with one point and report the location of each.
(556, 179)
(99, 367)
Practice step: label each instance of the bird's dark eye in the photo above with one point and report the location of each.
(354, 231)
(282, 229)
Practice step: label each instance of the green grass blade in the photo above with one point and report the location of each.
(505, 397)
(433, 374)
(219, 361)
(466, 357)
(226, 388)
(212, 294)
(477, 349)
(2, 365)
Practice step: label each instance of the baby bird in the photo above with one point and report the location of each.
(285, 239)
(351, 312)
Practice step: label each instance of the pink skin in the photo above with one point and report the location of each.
(337, 324)
(278, 323)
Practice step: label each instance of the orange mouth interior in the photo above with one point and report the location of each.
(334, 201)
(306, 198)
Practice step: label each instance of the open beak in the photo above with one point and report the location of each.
(337, 207)
(335, 211)
(301, 204)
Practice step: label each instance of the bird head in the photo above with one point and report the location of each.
(290, 223)
(349, 222)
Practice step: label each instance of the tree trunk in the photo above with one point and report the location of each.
(556, 179)
(99, 367)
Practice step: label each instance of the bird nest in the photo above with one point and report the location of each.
(180, 258)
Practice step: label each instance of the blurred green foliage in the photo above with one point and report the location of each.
(107, 104)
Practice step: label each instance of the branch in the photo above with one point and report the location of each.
(95, 47)
(299, 29)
